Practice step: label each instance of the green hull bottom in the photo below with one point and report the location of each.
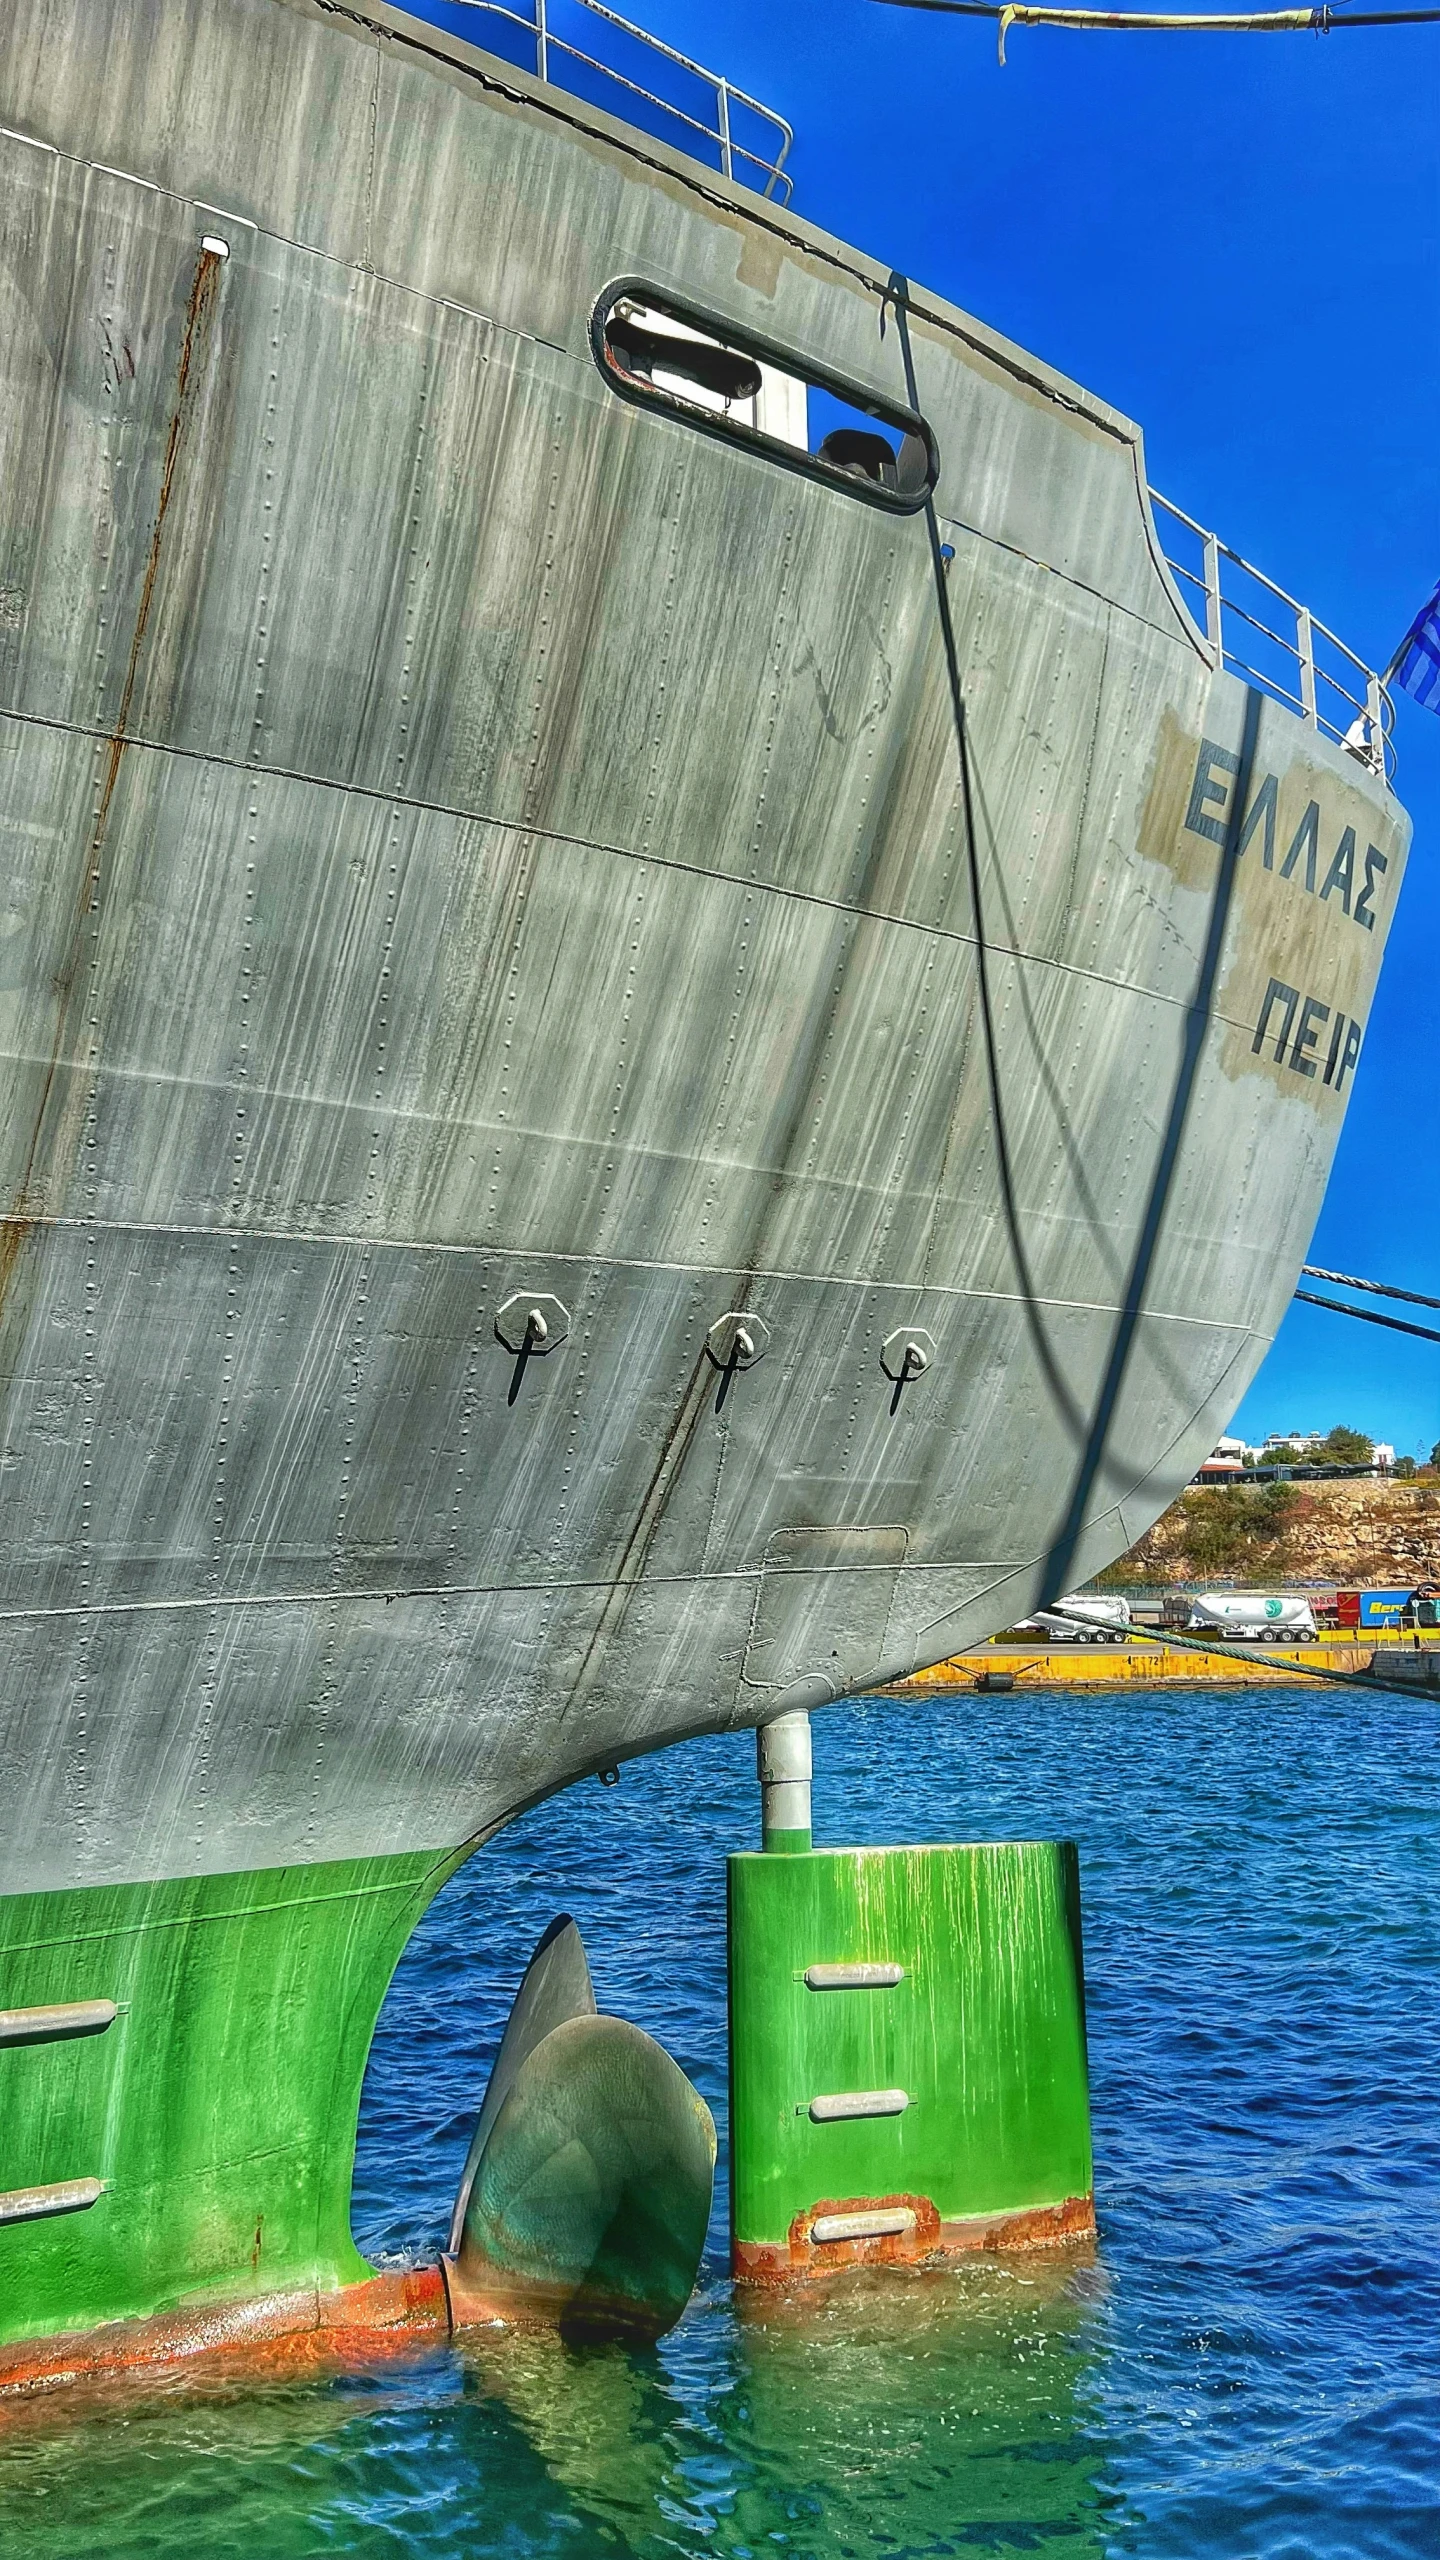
(216, 2112)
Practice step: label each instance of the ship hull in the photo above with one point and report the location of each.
(471, 842)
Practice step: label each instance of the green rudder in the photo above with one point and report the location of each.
(907, 2054)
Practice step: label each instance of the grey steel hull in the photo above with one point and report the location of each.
(465, 837)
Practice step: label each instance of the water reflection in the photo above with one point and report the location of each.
(897, 2413)
(916, 2412)
(212, 2464)
(931, 2413)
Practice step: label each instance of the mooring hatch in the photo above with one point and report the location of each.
(700, 367)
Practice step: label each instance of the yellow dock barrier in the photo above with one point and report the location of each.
(1150, 1664)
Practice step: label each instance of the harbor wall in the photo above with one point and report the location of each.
(1139, 1666)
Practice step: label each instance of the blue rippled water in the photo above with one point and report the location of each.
(1248, 2362)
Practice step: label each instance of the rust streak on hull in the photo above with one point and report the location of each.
(198, 311)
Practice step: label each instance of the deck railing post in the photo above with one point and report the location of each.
(1306, 642)
(1213, 632)
(1375, 704)
(542, 42)
(722, 107)
(1366, 737)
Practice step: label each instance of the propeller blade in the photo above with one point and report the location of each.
(556, 1986)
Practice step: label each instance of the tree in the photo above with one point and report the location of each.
(1286, 1457)
(1405, 1469)
(1435, 1455)
(1343, 1448)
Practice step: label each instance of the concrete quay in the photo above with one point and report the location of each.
(1148, 1665)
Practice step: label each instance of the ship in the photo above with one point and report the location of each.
(674, 1013)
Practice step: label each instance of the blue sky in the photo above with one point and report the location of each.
(1237, 241)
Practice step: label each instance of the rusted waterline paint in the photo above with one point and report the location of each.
(384, 2314)
(393, 2313)
(931, 2240)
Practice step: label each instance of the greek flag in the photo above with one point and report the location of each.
(1415, 666)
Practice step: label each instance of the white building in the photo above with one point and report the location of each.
(1227, 1459)
(1302, 1442)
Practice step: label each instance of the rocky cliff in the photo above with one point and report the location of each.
(1351, 1530)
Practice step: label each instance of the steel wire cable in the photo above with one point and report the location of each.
(1371, 1315)
(1376, 1288)
(1170, 1638)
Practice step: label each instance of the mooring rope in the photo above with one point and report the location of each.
(1321, 21)
(1170, 1639)
(897, 299)
(1375, 1289)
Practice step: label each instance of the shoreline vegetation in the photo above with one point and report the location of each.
(1351, 1531)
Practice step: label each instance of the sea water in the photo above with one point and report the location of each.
(1246, 2363)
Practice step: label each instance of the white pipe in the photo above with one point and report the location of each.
(782, 1764)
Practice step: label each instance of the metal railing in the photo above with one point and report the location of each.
(1303, 665)
(706, 115)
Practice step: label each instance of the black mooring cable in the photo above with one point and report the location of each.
(897, 295)
(1369, 1315)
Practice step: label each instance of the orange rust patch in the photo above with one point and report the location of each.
(383, 2314)
(798, 2258)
